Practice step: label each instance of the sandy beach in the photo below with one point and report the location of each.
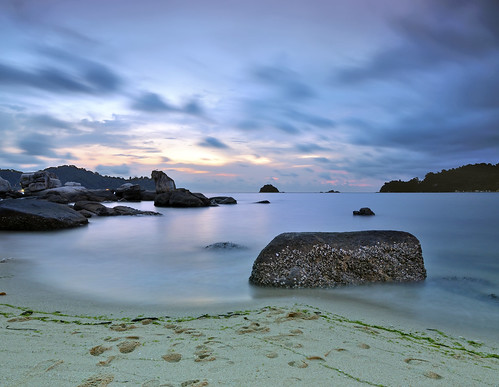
(50, 339)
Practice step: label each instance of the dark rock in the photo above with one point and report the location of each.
(328, 259)
(263, 202)
(4, 186)
(129, 192)
(37, 215)
(224, 245)
(181, 198)
(86, 214)
(365, 211)
(71, 194)
(163, 182)
(38, 181)
(147, 195)
(124, 210)
(99, 209)
(223, 200)
(268, 188)
(93, 207)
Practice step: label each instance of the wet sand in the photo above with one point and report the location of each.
(52, 339)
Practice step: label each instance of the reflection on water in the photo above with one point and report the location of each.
(163, 260)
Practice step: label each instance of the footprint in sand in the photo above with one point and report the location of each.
(105, 363)
(97, 381)
(298, 364)
(203, 354)
(194, 383)
(122, 327)
(172, 357)
(98, 350)
(128, 346)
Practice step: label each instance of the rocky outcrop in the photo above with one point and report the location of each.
(38, 181)
(223, 200)
(6, 190)
(329, 259)
(37, 215)
(364, 211)
(181, 198)
(129, 192)
(163, 182)
(268, 188)
(4, 186)
(88, 208)
(71, 194)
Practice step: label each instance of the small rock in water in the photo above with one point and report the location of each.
(224, 245)
(366, 211)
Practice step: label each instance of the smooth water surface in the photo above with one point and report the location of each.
(163, 259)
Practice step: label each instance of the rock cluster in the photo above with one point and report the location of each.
(38, 181)
(328, 259)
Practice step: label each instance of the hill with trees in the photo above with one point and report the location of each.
(88, 179)
(468, 178)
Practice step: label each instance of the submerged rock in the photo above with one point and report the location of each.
(223, 200)
(224, 245)
(37, 215)
(324, 259)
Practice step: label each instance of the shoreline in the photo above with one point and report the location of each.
(49, 338)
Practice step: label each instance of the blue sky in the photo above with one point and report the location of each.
(226, 96)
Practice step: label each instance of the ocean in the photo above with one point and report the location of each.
(163, 260)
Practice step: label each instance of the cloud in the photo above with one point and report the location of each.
(46, 121)
(37, 144)
(212, 142)
(153, 103)
(309, 147)
(284, 80)
(427, 43)
(83, 77)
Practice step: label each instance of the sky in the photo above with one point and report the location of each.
(229, 95)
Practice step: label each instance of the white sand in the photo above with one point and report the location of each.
(288, 344)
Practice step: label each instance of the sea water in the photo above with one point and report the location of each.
(163, 260)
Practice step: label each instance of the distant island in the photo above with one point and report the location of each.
(268, 188)
(468, 178)
(88, 179)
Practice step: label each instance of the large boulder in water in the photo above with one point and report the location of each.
(37, 215)
(163, 182)
(129, 192)
(325, 259)
(181, 198)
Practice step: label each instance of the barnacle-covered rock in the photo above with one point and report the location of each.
(322, 259)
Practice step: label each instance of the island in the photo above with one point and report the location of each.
(468, 178)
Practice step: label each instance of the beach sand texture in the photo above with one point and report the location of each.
(295, 345)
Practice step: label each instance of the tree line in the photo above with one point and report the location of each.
(468, 178)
